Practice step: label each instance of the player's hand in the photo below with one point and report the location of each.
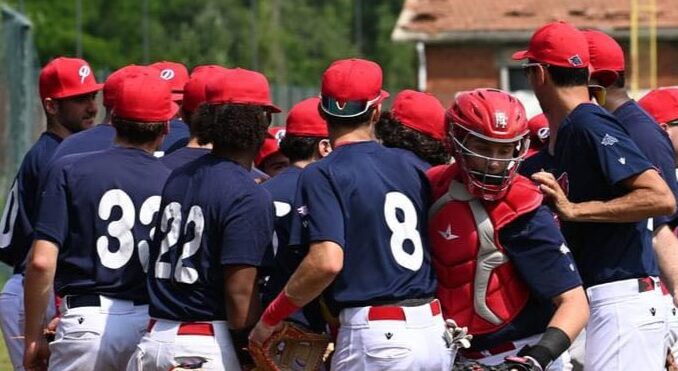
(36, 355)
(550, 187)
(521, 364)
(261, 332)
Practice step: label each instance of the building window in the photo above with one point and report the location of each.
(512, 78)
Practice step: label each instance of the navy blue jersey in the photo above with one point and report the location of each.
(373, 202)
(281, 258)
(537, 249)
(183, 156)
(655, 144)
(595, 155)
(97, 138)
(100, 208)
(18, 217)
(542, 160)
(418, 161)
(178, 132)
(212, 215)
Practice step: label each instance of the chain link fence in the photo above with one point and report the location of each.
(21, 120)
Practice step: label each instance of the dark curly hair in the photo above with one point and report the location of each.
(238, 127)
(135, 132)
(298, 148)
(393, 133)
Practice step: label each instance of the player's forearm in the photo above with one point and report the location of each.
(315, 273)
(666, 249)
(38, 288)
(635, 206)
(572, 312)
(241, 296)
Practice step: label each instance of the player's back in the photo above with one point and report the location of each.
(99, 207)
(97, 138)
(210, 215)
(383, 198)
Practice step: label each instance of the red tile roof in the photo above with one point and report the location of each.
(450, 20)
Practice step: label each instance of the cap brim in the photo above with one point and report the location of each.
(273, 108)
(75, 93)
(520, 55)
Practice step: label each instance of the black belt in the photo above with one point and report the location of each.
(77, 301)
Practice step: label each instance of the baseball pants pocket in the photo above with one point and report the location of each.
(389, 356)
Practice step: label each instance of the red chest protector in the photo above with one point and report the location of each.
(477, 285)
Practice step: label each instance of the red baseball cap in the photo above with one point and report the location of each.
(539, 129)
(67, 77)
(112, 84)
(662, 104)
(271, 144)
(240, 86)
(350, 87)
(194, 90)
(420, 111)
(607, 57)
(145, 98)
(304, 120)
(557, 44)
(176, 74)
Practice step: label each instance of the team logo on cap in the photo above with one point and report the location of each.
(83, 72)
(340, 105)
(167, 74)
(279, 135)
(500, 120)
(575, 61)
(543, 133)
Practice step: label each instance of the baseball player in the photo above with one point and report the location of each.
(176, 75)
(539, 134)
(214, 226)
(193, 98)
(305, 141)
(67, 90)
(502, 263)
(362, 209)
(416, 123)
(95, 220)
(607, 191)
(607, 58)
(101, 136)
(662, 104)
(270, 160)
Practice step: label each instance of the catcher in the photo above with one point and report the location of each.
(500, 259)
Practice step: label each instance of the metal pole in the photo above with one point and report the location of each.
(78, 28)
(634, 47)
(359, 26)
(653, 43)
(144, 30)
(255, 38)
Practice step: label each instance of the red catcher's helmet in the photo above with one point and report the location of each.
(494, 116)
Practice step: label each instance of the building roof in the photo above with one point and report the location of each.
(516, 20)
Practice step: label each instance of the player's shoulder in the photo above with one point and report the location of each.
(283, 181)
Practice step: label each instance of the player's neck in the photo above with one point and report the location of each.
(242, 158)
(149, 147)
(340, 135)
(615, 98)
(58, 130)
(193, 143)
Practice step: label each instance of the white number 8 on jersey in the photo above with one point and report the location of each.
(403, 231)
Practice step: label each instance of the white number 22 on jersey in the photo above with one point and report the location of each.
(121, 229)
(403, 231)
(195, 218)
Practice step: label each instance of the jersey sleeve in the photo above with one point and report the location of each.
(538, 250)
(247, 229)
(618, 156)
(318, 210)
(663, 156)
(52, 217)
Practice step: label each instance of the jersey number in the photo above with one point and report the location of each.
(121, 229)
(170, 224)
(405, 230)
(9, 216)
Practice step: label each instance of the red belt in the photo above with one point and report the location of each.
(665, 290)
(189, 328)
(646, 284)
(499, 349)
(395, 313)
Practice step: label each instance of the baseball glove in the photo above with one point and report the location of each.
(290, 348)
(511, 364)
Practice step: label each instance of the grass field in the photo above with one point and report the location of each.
(4, 357)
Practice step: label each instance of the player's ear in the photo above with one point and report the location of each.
(324, 148)
(51, 106)
(664, 127)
